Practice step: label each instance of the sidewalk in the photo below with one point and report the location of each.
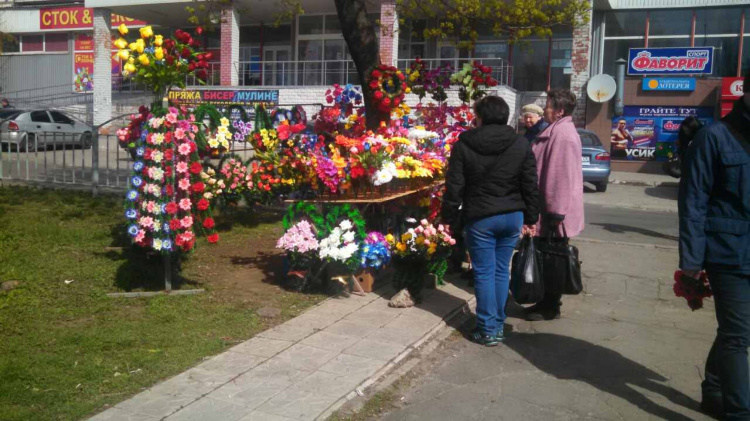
(301, 370)
(646, 180)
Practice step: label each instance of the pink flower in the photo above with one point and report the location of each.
(146, 222)
(183, 184)
(233, 186)
(150, 207)
(441, 228)
(427, 242)
(354, 150)
(179, 133)
(184, 149)
(182, 167)
(140, 236)
(185, 204)
(452, 242)
(424, 222)
(419, 230)
(186, 222)
(172, 118)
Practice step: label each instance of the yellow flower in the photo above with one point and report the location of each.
(158, 53)
(130, 68)
(124, 54)
(389, 238)
(224, 121)
(158, 40)
(401, 247)
(432, 249)
(121, 43)
(420, 240)
(147, 32)
(143, 59)
(140, 45)
(406, 237)
(123, 29)
(131, 60)
(133, 46)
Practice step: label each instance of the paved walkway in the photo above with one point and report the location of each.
(301, 370)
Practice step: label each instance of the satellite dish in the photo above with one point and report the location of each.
(601, 88)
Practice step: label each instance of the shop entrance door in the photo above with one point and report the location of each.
(277, 66)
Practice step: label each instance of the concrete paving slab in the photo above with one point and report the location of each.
(155, 404)
(264, 416)
(345, 364)
(330, 384)
(350, 328)
(298, 404)
(376, 350)
(330, 341)
(117, 414)
(262, 347)
(208, 409)
(287, 332)
(303, 357)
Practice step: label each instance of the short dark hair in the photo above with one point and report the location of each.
(492, 110)
(562, 99)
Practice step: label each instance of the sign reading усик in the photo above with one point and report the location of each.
(671, 61)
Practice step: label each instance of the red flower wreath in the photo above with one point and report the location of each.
(389, 87)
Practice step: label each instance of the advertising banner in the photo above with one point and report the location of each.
(225, 97)
(668, 84)
(78, 18)
(671, 61)
(83, 42)
(83, 72)
(648, 133)
(731, 91)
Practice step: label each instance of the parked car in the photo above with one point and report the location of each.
(38, 129)
(596, 161)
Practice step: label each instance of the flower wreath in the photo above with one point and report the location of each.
(389, 86)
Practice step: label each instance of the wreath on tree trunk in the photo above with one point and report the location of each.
(389, 87)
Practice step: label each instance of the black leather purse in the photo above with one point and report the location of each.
(561, 267)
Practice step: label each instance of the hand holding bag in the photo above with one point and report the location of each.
(561, 268)
(526, 282)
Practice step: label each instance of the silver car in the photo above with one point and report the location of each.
(30, 131)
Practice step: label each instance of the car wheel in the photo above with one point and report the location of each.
(86, 141)
(30, 144)
(602, 186)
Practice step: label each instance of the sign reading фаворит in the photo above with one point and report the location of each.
(671, 61)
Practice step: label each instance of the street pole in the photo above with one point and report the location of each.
(620, 95)
(95, 161)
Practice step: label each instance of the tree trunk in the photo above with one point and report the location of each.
(362, 41)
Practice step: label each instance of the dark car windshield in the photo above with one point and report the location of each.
(589, 139)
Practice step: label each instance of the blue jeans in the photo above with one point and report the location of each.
(491, 242)
(727, 368)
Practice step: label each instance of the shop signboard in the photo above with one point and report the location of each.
(77, 18)
(668, 84)
(731, 91)
(648, 133)
(671, 61)
(225, 98)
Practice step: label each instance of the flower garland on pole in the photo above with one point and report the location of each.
(389, 87)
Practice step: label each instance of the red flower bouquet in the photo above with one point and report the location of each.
(693, 290)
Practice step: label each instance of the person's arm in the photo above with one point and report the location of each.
(560, 180)
(695, 188)
(530, 188)
(454, 184)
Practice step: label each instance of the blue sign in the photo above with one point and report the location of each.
(648, 133)
(668, 84)
(671, 61)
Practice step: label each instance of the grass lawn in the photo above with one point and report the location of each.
(68, 351)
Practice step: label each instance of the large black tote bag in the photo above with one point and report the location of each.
(526, 282)
(561, 267)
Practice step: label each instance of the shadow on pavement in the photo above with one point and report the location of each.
(622, 229)
(573, 359)
(662, 192)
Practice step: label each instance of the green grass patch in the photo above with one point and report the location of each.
(67, 350)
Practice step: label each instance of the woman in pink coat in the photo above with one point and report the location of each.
(558, 159)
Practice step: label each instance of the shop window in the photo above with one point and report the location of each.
(628, 23)
(615, 49)
(530, 65)
(561, 66)
(670, 22)
(725, 54)
(669, 42)
(32, 43)
(332, 25)
(56, 42)
(10, 44)
(310, 25)
(724, 20)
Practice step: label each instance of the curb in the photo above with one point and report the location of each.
(673, 184)
(466, 306)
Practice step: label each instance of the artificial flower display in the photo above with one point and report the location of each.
(375, 252)
(471, 78)
(389, 87)
(165, 205)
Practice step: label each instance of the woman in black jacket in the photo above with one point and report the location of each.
(492, 178)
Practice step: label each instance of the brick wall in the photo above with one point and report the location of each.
(230, 46)
(388, 32)
(581, 60)
(102, 66)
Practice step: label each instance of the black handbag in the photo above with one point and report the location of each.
(526, 281)
(561, 267)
